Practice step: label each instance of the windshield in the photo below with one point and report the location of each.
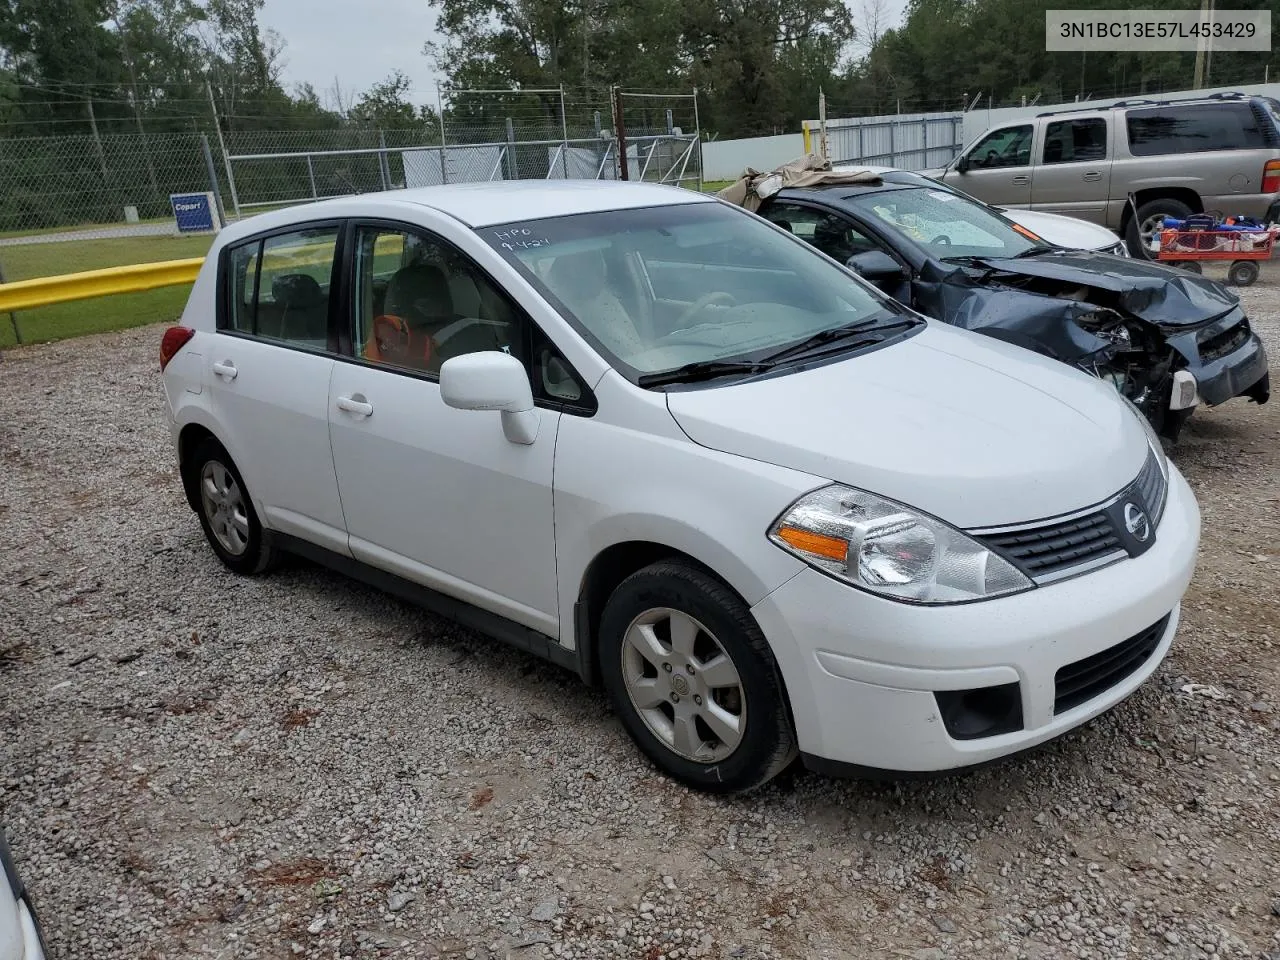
(659, 288)
(947, 225)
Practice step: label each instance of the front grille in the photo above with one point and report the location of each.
(1043, 551)
(1053, 550)
(1080, 682)
(1151, 488)
(1221, 344)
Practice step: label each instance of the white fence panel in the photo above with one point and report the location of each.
(726, 159)
(915, 141)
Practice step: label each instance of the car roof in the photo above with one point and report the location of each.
(484, 204)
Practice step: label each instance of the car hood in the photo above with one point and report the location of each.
(1070, 232)
(1152, 292)
(972, 430)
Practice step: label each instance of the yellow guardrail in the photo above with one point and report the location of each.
(43, 291)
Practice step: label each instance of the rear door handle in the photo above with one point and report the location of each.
(356, 404)
(1092, 175)
(225, 369)
(1021, 181)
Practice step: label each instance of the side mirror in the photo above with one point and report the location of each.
(876, 266)
(492, 380)
(962, 164)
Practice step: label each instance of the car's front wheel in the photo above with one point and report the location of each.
(693, 679)
(226, 511)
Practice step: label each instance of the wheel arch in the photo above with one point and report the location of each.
(189, 438)
(1181, 194)
(608, 568)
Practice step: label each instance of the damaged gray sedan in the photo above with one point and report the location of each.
(1167, 339)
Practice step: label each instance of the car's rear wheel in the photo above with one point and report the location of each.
(226, 511)
(693, 679)
(1147, 223)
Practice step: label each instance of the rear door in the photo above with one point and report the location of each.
(1073, 176)
(999, 167)
(270, 362)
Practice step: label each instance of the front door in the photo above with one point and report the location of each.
(437, 495)
(998, 167)
(269, 371)
(1074, 174)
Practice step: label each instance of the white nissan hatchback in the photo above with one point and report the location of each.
(655, 439)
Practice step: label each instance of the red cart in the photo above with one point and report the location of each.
(1244, 248)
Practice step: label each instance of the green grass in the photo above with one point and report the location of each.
(99, 315)
(714, 186)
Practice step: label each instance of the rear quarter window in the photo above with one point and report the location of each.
(1194, 128)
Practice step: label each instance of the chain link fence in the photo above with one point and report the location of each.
(74, 187)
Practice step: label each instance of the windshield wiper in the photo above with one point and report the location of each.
(835, 334)
(702, 370)
(1037, 251)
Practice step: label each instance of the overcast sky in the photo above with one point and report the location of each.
(361, 43)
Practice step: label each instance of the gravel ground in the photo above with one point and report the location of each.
(199, 765)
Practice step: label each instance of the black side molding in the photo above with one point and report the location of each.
(459, 611)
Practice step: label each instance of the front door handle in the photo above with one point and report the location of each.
(356, 404)
(225, 369)
(1021, 181)
(1092, 175)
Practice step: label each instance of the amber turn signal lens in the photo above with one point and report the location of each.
(833, 548)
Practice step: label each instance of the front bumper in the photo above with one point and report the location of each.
(862, 672)
(1220, 377)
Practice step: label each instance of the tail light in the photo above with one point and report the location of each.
(174, 339)
(1271, 177)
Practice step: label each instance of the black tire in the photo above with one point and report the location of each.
(1191, 266)
(1242, 273)
(1153, 208)
(767, 745)
(258, 554)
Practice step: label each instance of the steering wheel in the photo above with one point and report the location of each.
(704, 301)
(941, 240)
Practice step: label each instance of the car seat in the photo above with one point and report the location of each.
(417, 304)
(581, 282)
(304, 308)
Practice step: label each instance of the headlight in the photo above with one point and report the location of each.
(891, 549)
(1153, 438)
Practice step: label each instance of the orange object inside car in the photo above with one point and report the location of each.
(393, 342)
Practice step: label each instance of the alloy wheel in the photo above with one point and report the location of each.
(224, 508)
(684, 685)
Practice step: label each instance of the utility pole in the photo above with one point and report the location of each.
(97, 140)
(1206, 10)
(222, 145)
(620, 131)
(822, 123)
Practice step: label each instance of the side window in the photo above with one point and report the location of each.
(1193, 128)
(554, 379)
(835, 236)
(242, 287)
(278, 287)
(419, 302)
(1007, 147)
(1073, 141)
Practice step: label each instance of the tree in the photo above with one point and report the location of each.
(386, 105)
